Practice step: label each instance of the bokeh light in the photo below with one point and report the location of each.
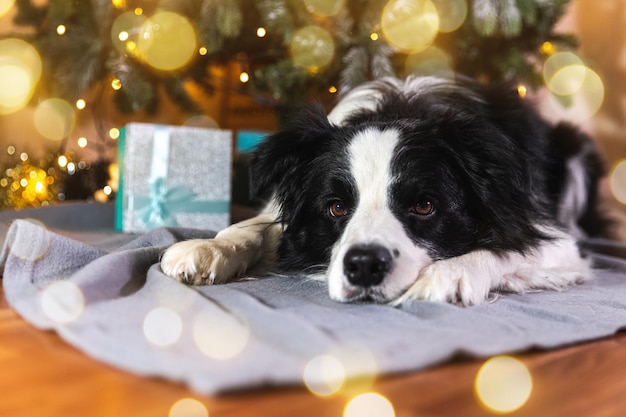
(61, 29)
(261, 32)
(452, 14)
(410, 25)
(188, 407)
(125, 31)
(5, 6)
(503, 384)
(557, 62)
(324, 7)
(370, 404)
(114, 133)
(55, 118)
(431, 61)
(62, 301)
(617, 181)
(584, 102)
(81, 104)
(82, 142)
(162, 326)
(33, 248)
(220, 336)
(312, 48)
(324, 375)
(167, 41)
(20, 71)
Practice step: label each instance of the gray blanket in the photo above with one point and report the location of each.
(264, 332)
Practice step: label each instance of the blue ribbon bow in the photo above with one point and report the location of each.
(164, 202)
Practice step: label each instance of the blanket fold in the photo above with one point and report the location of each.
(118, 307)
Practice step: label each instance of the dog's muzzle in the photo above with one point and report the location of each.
(367, 265)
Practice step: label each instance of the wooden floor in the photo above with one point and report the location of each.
(41, 375)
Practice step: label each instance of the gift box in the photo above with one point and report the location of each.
(173, 176)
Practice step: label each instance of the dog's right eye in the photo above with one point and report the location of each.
(337, 209)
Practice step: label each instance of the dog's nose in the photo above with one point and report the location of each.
(367, 265)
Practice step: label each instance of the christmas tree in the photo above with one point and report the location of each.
(284, 47)
(287, 51)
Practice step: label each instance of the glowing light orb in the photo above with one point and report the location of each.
(585, 101)
(61, 29)
(126, 29)
(410, 25)
(452, 14)
(617, 181)
(370, 404)
(82, 142)
(167, 41)
(116, 84)
(261, 32)
(244, 77)
(62, 301)
(114, 133)
(431, 61)
(5, 6)
(55, 118)
(312, 47)
(20, 71)
(324, 375)
(220, 336)
(33, 248)
(324, 7)
(162, 326)
(522, 90)
(503, 384)
(188, 407)
(557, 62)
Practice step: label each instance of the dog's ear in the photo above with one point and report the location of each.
(283, 160)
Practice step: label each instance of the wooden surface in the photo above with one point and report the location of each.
(41, 375)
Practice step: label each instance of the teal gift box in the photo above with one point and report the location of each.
(173, 176)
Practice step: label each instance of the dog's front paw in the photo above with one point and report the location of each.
(202, 261)
(449, 280)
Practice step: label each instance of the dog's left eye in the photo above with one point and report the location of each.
(337, 209)
(423, 207)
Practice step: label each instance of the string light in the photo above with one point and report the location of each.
(138, 11)
(374, 36)
(116, 84)
(244, 77)
(81, 104)
(61, 29)
(548, 48)
(114, 133)
(522, 90)
(82, 142)
(203, 50)
(332, 89)
(261, 32)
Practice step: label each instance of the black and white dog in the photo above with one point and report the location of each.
(424, 188)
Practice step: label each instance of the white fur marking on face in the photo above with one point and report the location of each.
(370, 154)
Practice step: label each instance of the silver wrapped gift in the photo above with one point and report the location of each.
(173, 176)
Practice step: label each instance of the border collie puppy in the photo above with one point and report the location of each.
(424, 188)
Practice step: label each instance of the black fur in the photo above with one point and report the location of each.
(491, 166)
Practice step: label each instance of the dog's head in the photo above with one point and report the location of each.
(396, 177)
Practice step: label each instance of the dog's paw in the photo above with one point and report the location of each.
(203, 261)
(451, 281)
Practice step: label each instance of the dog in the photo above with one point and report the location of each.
(447, 190)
